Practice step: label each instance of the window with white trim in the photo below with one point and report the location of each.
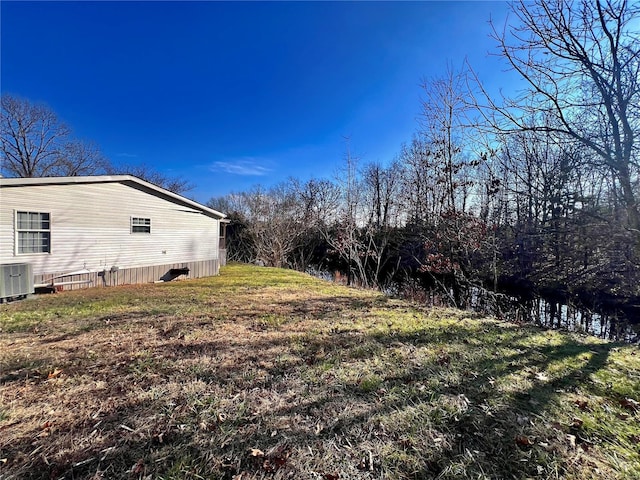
(33, 231)
(140, 225)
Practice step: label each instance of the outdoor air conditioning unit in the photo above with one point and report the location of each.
(16, 280)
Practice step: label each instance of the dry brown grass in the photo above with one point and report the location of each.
(265, 373)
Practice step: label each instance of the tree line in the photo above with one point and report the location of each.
(529, 196)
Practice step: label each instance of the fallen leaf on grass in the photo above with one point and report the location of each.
(581, 404)
(443, 359)
(331, 476)
(54, 374)
(524, 441)
(276, 458)
(630, 404)
(45, 429)
(576, 422)
(279, 461)
(269, 466)
(272, 460)
(256, 452)
(585, 445)
(138, 467)
(405, 443)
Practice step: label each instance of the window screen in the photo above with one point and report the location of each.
(34, 232)
(140, 225)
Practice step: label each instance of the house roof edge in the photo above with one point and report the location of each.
(16, 182)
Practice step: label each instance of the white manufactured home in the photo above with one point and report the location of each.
(76, 232)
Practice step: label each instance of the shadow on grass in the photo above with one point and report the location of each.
(416, 400)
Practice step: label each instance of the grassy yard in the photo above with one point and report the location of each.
(268, 373)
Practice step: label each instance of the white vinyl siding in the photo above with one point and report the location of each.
(33, 232)
(91, 227)
(140, 225)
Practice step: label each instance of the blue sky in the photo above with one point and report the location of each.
(228, 95)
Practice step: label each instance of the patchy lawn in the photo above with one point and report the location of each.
(267, 373)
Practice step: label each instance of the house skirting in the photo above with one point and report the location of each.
(110, 277)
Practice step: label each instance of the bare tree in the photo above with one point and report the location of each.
(382, 186)
(438, 165)
(80, 158)
(381, 189)
(443, 128)
(32, 138)
(240, 240)
(145, 172)
(36, 143)
(319, 202)
(277, 223)
(346, 239)
(581, 62)
(419, 184)
(266, 225)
